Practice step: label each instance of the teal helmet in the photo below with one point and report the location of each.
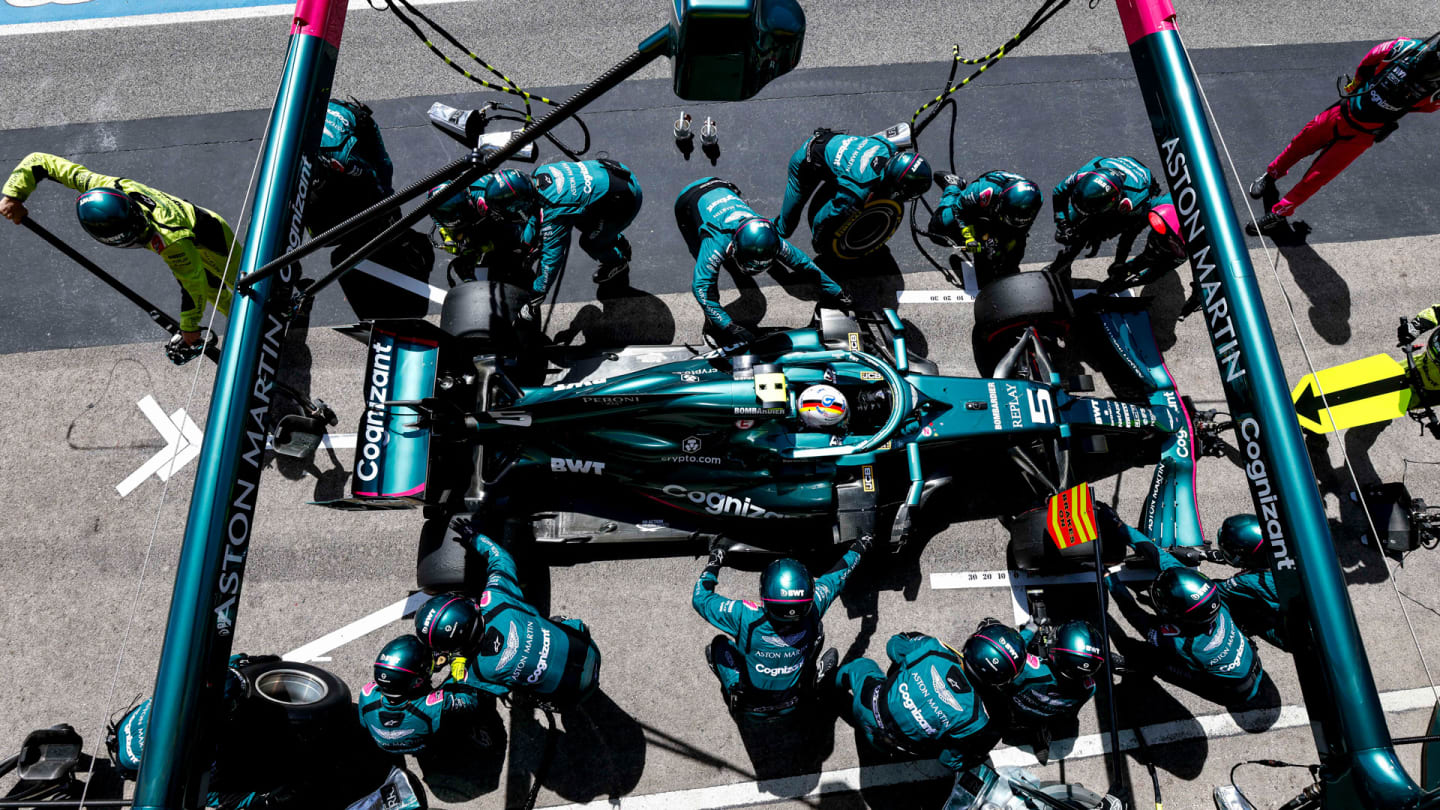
(755, 245)
(1019, 204)
(403, 668)
(510, 195)
(1241, 542)
(907, 175)
(459, 209)
(1075, 653)
(1097, 192)
(994, 655)
(449, 623)
(787, 590)
(112, 217)
(1185, 597)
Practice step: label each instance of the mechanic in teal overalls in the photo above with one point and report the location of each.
(767, 662)
(1192, 641)
(721, 229)
(849, 169)
(989, 218)
(600, 198)
(465, 229)
(1250, 595)
(1057, 681)
(402, 710)
(1106, 198)
(927, 706)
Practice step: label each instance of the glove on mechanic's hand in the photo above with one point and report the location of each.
(862, 544)
(990, 247)
(737, 334)
(841, 301)
(1065, 233)
(1191, 556)
(457, 668)
(912, 635)
(531, 310)
(718, 549)
(1409, 329)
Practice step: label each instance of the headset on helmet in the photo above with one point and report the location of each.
(1075, 652)
(1019, 204)
(510, 194)
(1098, 192)
(1186, 597)
(755, 245)
(823, 407)
(994, 655)
(112, 217)
(908, 175)
(449, 623)
(403, 668)
(787, 590)
(1241, 542)
(459, 209)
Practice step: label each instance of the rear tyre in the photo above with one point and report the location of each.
(301, 693)
(1009, 305)
(483, 313)
(443, 565)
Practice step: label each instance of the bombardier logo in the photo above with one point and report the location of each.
(717, 503)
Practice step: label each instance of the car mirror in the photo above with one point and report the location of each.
(727, 50)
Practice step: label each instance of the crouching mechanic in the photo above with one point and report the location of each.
(600, 198)
(989, 218)
(1395, 78)
(1192, 641)
(195, 243)
(721, 229)
(851, 171)
(401, 708)
(767, 663)
(1250, 595)
(927, 705)
(1057, 679)
(1106, 198)
(465, 229)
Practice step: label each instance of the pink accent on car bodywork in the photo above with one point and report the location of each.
(414, 491)
(319, 18)
(1141, 18)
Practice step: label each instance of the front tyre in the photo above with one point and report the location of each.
(1008, 306)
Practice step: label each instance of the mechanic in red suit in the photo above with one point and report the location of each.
(1396, 77)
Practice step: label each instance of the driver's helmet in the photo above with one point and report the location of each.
(1241, 542)
(112, 217)
(1075, 653)
(823, 407)
(510, 195)
(1165, 227)
(1019, 204)
(1098, 192)
(460, 209)
(449, 623)
(755, 245)
(403, 668)
(787, 590)
(907, 175)
(994, 655)
(1186, 597)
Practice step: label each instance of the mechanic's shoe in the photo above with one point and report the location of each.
(1040, 744)
(1260, 185)
(609, 272)
(825, 669)
(1269, 225)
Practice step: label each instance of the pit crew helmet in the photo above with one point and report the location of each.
(449, 623)
(460, 209)
(1076, 653)
(112, 217)
(1186, 597)
(907, 175)
(823, 407)
(1241, 542)
(403, 668)
(1098, 192)
(510, 195)
(787, 590)
(1165, 227)
(1019, 204)
(755, 245)
(994, 655)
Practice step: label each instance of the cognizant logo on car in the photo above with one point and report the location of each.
(718, 503)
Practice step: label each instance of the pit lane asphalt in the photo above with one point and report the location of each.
(72, 548)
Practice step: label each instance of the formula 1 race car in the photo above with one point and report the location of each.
(666, 442)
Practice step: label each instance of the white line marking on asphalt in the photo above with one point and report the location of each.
(936, 297)
(182, 444)
(403, 281)
(362, 627)
(176, 17)
(847, 780)
(1018, 581)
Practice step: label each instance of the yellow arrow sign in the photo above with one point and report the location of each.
(1362, 392)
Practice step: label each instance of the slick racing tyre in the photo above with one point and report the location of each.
(1010, 304)
(865, 231)
(483, 313)
(443, 565)
(300, 693)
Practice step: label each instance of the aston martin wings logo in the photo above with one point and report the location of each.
(942, 691)
(512, 646)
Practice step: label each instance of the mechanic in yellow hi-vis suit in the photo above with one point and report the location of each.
(194, 242)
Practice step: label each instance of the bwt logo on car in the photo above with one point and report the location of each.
(576, 465)
(373, 437)
(718, 503)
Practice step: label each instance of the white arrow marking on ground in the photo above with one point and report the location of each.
(182, 444)
(403, 281)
